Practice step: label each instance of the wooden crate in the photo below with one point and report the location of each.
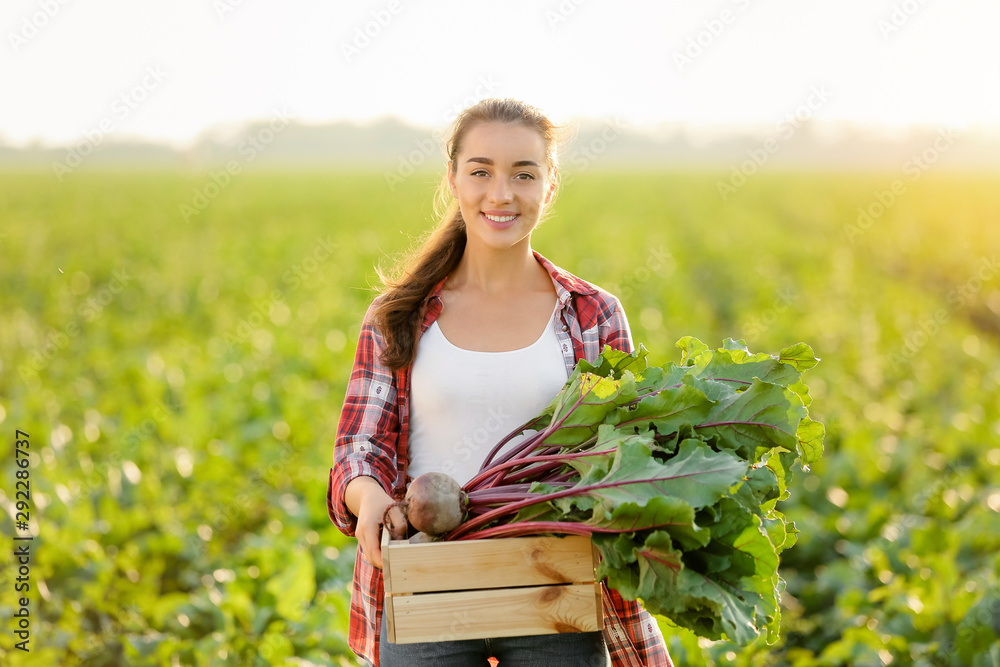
(506, 587)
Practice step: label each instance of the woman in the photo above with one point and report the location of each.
(499, 329)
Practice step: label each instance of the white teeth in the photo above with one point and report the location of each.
(502, 218)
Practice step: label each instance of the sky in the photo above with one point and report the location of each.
(168, 70)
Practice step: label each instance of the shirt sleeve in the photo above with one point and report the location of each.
(613, 325)
(368, 432)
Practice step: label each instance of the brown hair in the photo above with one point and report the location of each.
(396, 313)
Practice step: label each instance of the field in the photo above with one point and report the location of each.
(180, 378)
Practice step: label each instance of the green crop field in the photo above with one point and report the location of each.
(179, 373)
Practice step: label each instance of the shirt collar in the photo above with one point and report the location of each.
(565, 282)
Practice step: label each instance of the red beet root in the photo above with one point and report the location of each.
(435, 503)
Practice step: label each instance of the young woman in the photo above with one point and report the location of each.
(474, 337)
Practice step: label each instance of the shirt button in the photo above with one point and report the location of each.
(565, 327)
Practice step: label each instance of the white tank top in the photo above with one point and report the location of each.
(462, 402)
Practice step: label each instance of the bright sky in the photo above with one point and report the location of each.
(185, 65)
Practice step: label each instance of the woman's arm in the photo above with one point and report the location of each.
(365, 449)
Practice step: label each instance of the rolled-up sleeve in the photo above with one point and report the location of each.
(368, 431)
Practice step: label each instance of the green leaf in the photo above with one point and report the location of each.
(739, 367)
(778, 461)
(730, 344)
(582, 406)
(697, 474)
(671, 514)
(547, 511)
(765, 583)
(810, 435)
(753, 542)
(715, 391)
(779, 532)
(760, 486)
(659, 565)
(802, 391)
(764, 416)
(617, 557)
(732, 611)
(612, 363)
(691, 348)
(607, 438)
(294, 587)
(800, 356)
(666, 410)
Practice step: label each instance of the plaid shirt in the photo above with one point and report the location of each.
(372, 441)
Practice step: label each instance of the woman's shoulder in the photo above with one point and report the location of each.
(369, 321)
(578, 286)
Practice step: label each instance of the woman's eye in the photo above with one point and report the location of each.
(526, 176)
(479, 172)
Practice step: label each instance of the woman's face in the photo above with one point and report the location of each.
(501, 181)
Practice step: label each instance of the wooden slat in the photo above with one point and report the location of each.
(387, 607)
(508, 612)
(496, 563)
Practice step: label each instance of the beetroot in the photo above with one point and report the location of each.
(435, 503)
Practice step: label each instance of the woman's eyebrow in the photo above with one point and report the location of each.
(518, 163)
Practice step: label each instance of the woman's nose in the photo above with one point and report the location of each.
(500, 191)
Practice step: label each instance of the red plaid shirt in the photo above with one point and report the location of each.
(372, 441)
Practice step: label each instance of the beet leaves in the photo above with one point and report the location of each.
(675, 471)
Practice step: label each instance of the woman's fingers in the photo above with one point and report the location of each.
(369, 530)
(370, 545)
(395, 522)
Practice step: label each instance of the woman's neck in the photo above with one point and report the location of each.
(489, 271)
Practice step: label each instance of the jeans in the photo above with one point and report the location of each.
(572, 649)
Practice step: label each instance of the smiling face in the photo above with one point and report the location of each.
(501, 180)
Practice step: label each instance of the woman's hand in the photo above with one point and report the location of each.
(368, 501)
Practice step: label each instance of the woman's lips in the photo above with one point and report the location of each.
(505, 222)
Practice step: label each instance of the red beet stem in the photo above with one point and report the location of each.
(478, 480)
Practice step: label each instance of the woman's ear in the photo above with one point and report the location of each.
(552, 185)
